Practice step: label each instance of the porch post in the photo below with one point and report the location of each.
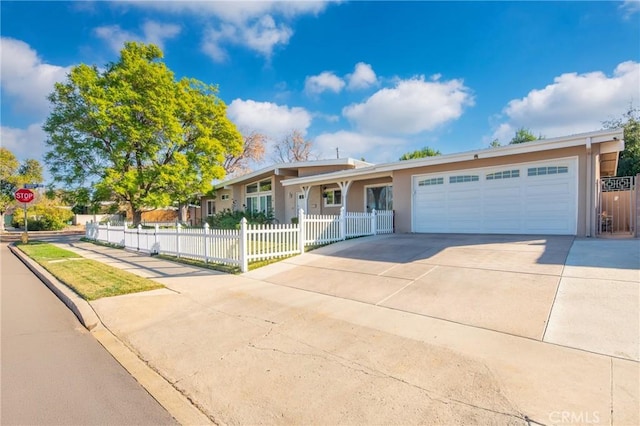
(344, 188)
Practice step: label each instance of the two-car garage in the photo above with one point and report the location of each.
(544, 187)
(527, 198)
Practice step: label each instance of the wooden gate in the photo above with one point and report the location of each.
(617, 205)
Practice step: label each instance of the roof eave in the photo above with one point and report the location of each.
(300, 164)
(524, 148)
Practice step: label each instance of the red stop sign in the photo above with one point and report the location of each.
(24, 195)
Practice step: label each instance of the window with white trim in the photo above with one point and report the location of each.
(432, 181)
(464, 178)
(549, 170)
(211, 207)
(505, 174)
(332, 197)
(259, 197)
(224, 197)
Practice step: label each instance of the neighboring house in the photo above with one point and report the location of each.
(548, 186)
(263, 191)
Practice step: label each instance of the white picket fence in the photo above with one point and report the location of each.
(247, 244)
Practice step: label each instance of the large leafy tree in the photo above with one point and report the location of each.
(629, 163)
(131, 130)
(8, 167)
(420, 153)
(14, 175)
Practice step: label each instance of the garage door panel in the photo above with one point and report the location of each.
(505, 227)
(511, 191)
(466, 226)
(547, 191)
(507, 200)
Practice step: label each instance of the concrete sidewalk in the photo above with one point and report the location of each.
(247, 351)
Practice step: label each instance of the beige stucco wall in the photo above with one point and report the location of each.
(311, 171)
(222, 205)
(279, 194)
(402, 181)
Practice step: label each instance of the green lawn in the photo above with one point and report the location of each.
(90, 279)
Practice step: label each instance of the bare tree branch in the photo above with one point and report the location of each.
(253, 149)
(293, 148)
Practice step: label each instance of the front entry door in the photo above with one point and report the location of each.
(300, 202)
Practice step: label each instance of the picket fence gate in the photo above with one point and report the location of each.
(238, 247)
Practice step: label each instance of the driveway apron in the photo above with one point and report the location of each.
(502, 283)
(403, 329)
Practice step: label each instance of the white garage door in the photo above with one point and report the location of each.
(532, 198)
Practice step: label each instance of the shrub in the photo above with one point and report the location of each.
(228, 219)
(47, 218)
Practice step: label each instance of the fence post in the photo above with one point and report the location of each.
(138, 229)
(108, 225)
(178, 240)
(244, 261)
(343, 224)
(301, 230)
(156, 245)
(374, 222)
(206, 244)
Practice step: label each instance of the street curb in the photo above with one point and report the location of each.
(176, 403)
(80, 307)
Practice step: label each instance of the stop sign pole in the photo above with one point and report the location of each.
(25, 196)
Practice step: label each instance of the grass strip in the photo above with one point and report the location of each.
(89, 278)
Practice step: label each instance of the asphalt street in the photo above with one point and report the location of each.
(53, 371)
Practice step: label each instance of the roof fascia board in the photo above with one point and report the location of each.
(334, 177)
(524, 148)
(300, 164)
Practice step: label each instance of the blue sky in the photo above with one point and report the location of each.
(374, 79)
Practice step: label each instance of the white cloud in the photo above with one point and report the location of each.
(375, 149)
(25, 79)
(573, 103)
(213, 39)
(235, 12)
(261, 35)
(258, 25)
(630, 7)
(412, 106)
(152, 32)
(322, 82)
(24, 143)
(268, 118)
(363, 76)
(157, 33)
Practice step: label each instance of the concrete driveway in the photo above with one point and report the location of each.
(518, 285)
(501, 283)
(399, 329)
